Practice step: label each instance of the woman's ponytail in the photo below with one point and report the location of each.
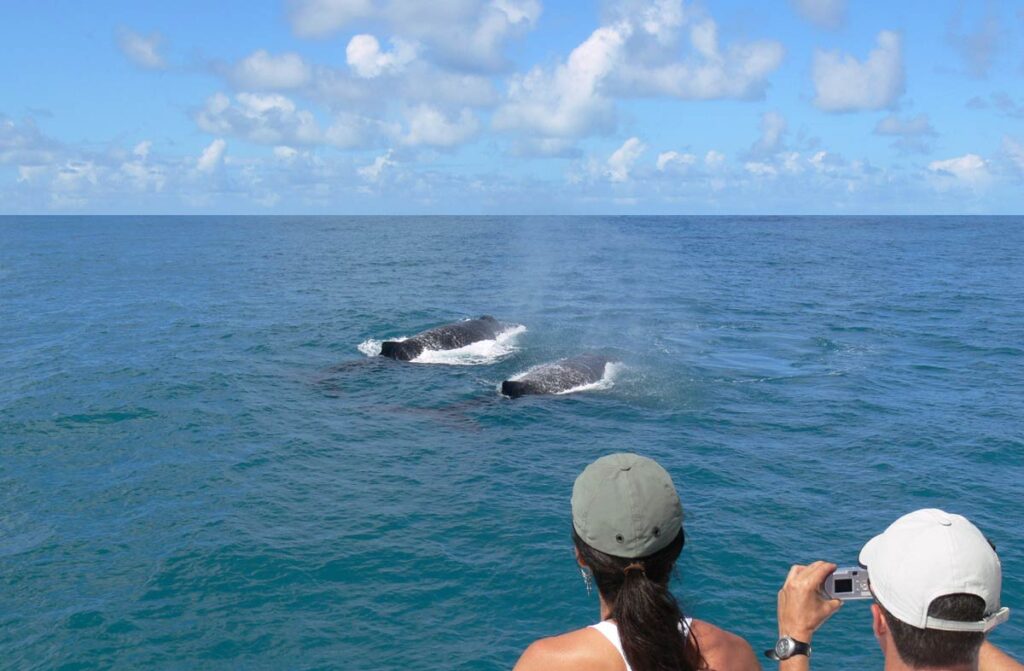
(648, 617)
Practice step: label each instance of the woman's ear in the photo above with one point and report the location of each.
(579, 557)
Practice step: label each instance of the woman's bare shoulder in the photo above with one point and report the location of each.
(580, 650)
(724, 650)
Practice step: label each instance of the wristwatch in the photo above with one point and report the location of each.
(786, 647)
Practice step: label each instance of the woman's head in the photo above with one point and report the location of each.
(625, 505)
(627, 528)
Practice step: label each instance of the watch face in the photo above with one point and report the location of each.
(784, 647)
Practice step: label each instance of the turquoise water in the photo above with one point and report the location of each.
(199, 468)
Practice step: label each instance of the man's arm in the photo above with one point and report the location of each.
(991, 658)
(802, 610)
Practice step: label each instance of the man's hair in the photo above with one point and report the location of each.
(930, 648)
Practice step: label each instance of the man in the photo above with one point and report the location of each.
(936, 581)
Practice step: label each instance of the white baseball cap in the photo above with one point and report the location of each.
(931, 553)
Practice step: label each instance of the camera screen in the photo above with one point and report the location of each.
(842, 585)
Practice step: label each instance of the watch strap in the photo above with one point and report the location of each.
(796, 648)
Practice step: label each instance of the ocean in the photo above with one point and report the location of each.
(203, 466)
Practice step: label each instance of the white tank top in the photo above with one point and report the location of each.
(610, 630)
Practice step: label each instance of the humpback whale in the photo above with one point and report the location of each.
(558, 376)
(449, 336)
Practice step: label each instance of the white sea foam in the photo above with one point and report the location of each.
(479, 353)
(371, 346)
(607, 381)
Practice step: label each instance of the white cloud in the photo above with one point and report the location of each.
(139, 173)
(274, 119)
(969, 170)
(141, 150)
(212, 156)
(760, 169)
(285, 153)
(634, 55)
(773, 127)
(668, 159)
(714, 159)
(894, 125)
(468, 34)
(844, 84)
(364, 56)
(708, 73)
(830, 14)
(1014, 151)
(565, 102)
(141, 50)
(912, 134)
(622, 159)
(261, 118)
(429, 126)
(261, 70)
(373, 171)
(24, 144)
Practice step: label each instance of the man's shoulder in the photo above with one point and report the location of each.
(723, 649)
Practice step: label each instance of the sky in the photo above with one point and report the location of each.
(512, 107)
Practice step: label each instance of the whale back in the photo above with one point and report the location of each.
(448, 336)
(558, 376)
(459, 334)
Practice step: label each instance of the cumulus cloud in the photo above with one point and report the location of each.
(429, 126)
(141, 50)
(468, 34)
(844, 84)
(977, 48)
(829, 14)
(912, 133)
(668, 160)
(212, 156)
(274, 119)
(969, 170)
(261, 118)
(622, 159)
(565, 102)
(140, 173)
(714, 159)
(637, 54)
(373, 171)
(24, 144)
(261, 71)
(363, 54)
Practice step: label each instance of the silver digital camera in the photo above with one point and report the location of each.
(847, 583)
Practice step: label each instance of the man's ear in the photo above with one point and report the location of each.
(879, 625)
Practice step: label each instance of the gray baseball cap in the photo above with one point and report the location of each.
(625, 505)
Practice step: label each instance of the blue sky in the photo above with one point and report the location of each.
(513, 106)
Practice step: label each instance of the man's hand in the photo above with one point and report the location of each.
(802, 609)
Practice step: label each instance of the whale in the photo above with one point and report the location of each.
(558, 376)
(448, 336)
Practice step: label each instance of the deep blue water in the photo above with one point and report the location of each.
(200, 469)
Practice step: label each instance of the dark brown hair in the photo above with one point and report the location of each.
(647, 615)
(929, 648)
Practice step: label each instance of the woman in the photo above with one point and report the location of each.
(628, 531)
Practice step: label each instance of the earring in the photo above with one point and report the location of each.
(587, 580)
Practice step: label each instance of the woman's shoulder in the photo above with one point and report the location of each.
(723, 649)
(580, 650)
